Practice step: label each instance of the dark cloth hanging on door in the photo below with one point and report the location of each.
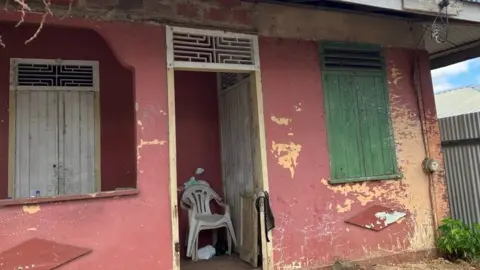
(269, 218)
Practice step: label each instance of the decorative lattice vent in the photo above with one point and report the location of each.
(227, 80)
(351, 57)
(29, 74)
(193, 47)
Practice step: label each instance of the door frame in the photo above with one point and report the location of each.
(258, 124)
(12, 111)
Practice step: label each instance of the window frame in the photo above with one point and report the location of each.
(15, 88)
(358, 72)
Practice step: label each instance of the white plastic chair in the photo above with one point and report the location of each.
(197, 197)
(187, 207)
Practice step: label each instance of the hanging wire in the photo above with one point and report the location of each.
(440, 24)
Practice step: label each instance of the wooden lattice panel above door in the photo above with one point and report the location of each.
(189, 48)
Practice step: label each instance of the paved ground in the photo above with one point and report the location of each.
(217, 263)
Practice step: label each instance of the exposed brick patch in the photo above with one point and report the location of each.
(242, 17)
(230, 3)
(158, 7)
(63, 2)
(216, 14)
(99, 4)
(188, 10)
(130, 4)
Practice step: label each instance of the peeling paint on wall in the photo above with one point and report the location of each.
(365, 193)
(153, 142)
(281, 120)
(410, 152)
(298, 107)
(345, 207)
(31, 209)
(140, 124)
(147, 143)
(292, 266)
(287, 155)
(396, 75)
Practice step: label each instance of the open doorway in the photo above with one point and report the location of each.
(215, 132)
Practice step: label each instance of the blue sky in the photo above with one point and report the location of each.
(457, 75)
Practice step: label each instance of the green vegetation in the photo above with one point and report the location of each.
(458, 241)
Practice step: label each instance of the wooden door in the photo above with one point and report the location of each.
(237, 165)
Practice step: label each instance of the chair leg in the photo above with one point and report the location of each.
(191, 236)
(195, 246)
(214, 237)
(229, 240)
(232, 233)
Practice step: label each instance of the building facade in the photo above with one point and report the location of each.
(322, 162)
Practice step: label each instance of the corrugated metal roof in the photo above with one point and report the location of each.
(458, 101)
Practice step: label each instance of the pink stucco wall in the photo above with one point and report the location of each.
(135, 232)
(309, 212)
(124, 233)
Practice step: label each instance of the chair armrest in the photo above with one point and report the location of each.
(224, 205)
(184, 206)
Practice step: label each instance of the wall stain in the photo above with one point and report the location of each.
(31, 209)
(150, 113)
(287, 155)
(281, 120)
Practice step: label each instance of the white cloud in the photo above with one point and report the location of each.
(441, 86)
(442, 77)
(449, 71)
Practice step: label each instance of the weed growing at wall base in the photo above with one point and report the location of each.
(458, 241)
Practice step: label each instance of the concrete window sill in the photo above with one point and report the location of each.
(364, 179)
(90, 196)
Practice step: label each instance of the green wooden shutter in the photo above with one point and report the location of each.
(359, 129)
(342, 125)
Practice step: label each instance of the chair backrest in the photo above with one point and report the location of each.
(198, 197)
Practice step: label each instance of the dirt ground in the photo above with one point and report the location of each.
(436, 264)
(234, 263)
